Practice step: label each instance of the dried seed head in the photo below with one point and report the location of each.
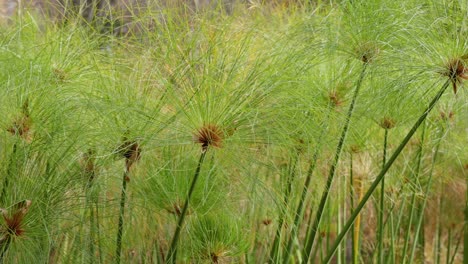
(131, 151)
(456, 71)
(214, 257)
(14, 225)
(209, 135)
(387, 123)
(335, 99)
(22, 125)
(87, 161)
(446, 116)
(355, 149)
(300, 145)
(176, 209)
(59, 74)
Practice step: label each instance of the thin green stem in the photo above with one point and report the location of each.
(326, 191)
(424, 202)
(382, 173)
(123, 197)
(392, 241)
(413, 196)
(171, 255)
(449, 245)
(455, 250)
(305, 189)
(465, 225)
(380, 237)
(354, 251)
(437, 250)
(408, 228)
(98, 232)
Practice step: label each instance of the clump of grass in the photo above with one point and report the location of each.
(454, 76)
(217, 238)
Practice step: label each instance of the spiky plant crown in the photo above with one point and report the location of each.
(457, 71)
(14, 219)
(131, 151)
(209, 135)
(387, 123)
(367, 52)
(22, 124)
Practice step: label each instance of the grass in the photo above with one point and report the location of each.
(280, 132)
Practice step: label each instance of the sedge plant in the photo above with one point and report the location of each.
(455, 71)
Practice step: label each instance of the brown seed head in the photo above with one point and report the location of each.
(387, 123)
(21, 127)
(22, 124)
(14, 222)
(335, 99)
(456, 71)
(355, 149)
(59, 74)
(446, 116)
(176, 209)
(214, 257)
(87, 162)
(131, 151)
(209, 135)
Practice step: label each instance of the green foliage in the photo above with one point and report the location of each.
(103, 122)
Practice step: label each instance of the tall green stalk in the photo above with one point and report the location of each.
(123, 197)
(131, 151)
(380, 234)
(413, 195)
(423, 206)
(438, 238)
(354, 250)
(326, 191)
(465, 226)
(171, 255)
(382, 173)
(299, 211)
